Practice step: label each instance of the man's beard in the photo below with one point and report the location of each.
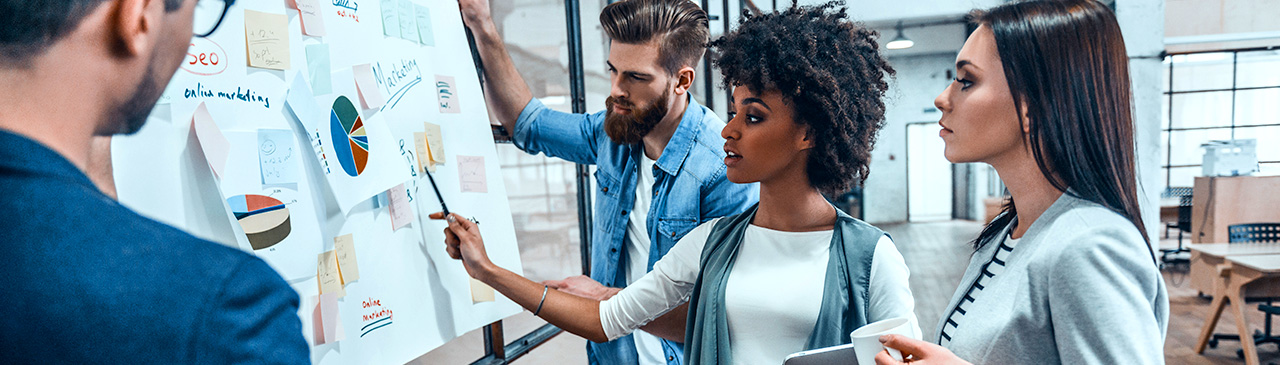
(631, 128)
(130, 116)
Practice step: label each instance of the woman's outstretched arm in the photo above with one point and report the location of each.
(580, 316)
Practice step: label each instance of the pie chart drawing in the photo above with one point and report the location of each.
(265, 219)
(350, 142)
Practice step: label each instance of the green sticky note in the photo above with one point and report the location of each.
(408, 23)
(318, 70)
(425, 34)
(390, 20)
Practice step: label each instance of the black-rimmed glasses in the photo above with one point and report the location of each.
(208, 15)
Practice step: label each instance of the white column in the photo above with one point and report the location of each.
(1142, 22)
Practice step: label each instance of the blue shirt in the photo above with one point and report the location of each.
(689, 188)
(90, 281)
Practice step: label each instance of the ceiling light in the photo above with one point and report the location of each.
(901, 41)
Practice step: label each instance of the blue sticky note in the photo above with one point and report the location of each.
(318, 71)
(278, 156)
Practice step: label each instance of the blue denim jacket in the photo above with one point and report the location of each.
(689, 188)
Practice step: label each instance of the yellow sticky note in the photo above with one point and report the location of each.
(267, 38)
(424, 156)
(435, 142)
(344, 247)
(480, 292)
(327, 274)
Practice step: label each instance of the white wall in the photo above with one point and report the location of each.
(910, 99)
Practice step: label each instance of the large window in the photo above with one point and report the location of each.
(1219, 96)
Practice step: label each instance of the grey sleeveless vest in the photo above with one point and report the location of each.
(844, 294)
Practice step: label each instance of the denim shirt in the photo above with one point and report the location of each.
(690, 188)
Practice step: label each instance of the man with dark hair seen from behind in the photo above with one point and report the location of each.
(88, 280)
(659, 155)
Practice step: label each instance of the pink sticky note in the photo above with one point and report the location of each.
(368, 86)
(329, 318)
(212, 142)
(471, 174)
(312, 22)
(401, 211)
(317, 321)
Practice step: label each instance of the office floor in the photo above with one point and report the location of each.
(937, 255)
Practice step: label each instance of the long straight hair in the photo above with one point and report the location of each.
(1065, 62)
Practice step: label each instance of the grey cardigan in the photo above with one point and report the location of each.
(1081, 287)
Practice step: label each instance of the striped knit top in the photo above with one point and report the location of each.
(989, 272)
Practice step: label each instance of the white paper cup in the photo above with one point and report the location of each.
(866, 339)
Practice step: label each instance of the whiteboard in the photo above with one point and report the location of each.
(418, 297)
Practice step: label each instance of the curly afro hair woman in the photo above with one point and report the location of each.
(829, 69)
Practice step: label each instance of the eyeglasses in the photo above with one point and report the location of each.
(208, 15)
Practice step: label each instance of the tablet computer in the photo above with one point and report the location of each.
(834, 355)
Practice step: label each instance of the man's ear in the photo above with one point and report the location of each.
(684, 80)
(134, 24)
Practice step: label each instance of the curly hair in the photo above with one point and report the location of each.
(828, 68)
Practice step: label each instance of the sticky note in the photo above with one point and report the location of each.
(318, 69)
(267, 39)
(330, 320)
(447, 94)
(400, 209)
(471, 174)
(408, 21)
(309, 16)
(277, 156)
(327, 274)
(344, 247)
(424, 156)
(390, 17)
(426, 35)
(212, 142)
(435, 142)
(480, 292)
(317, 320)
(368, 87)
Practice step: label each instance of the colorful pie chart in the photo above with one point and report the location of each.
(350, 141)
(265, 219)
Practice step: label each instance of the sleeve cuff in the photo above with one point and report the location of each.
(524, 123)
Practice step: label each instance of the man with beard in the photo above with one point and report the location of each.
(659, 155)
(86, 279)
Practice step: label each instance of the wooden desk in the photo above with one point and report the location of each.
(1207, 257)
(1250, 270)
(1218, 202)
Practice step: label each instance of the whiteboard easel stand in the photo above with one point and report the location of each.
(495, 351)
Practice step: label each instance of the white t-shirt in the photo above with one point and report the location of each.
(773, 295)
(648, 347)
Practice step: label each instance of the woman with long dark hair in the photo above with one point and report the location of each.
(1066, 273)
(793, 272)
